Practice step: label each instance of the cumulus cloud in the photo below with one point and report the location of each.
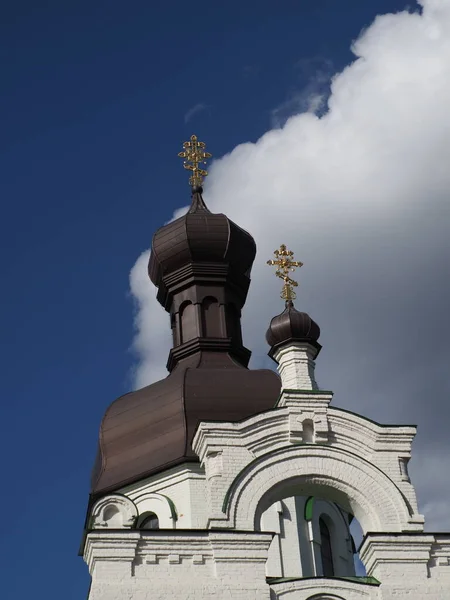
(312, 97)
(361, 194)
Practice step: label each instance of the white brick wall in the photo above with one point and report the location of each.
(296, 366)
(304, 447)
(143, 565)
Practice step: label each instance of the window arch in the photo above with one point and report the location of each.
(326, 552)
(211, 318)
(188, 320)
(308, 431)
(150, 521)
(325, 597)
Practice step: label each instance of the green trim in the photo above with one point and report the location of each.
(173, 508)
(309, 505)
(170, 502)
(364, 580)
(290, 446)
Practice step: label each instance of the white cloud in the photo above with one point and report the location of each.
(312, 97)
(362, 197)
(194, 110)
(151, 342)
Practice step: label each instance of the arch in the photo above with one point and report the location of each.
(114, 512)
(308, 431)
(325, 597)
(188, 322)
(337, 524)
(309, 506)
(333, 474)
(211, 318)
(148, 520)
(319, 589)
(161, 506)
(326, 550)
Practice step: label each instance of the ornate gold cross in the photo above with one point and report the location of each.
(194, 154)
(283, 260)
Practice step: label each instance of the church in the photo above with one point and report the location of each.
(222, 482)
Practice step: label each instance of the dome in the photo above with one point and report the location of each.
(199, 237)
(201, 264)
(292, 326)
(151, 429)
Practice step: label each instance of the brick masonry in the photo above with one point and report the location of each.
(211, 542)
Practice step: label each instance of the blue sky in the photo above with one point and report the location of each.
(97, 98)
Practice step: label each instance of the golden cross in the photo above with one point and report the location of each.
(285, 265)
(194, 154)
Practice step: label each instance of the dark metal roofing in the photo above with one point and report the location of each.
(201, 263)
(152, 429)
(292, 325)
(200, 236)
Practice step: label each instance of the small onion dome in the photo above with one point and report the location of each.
(292, 326)
(200, 236)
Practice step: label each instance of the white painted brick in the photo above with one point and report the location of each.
(347, 459)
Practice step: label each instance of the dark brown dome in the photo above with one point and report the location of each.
(200, 236)
(292, 326)
(150, 430)
(201, 265)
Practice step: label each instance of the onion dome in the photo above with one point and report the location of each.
(199, 237)
(201, 264)
(151, 430)
(292, 326)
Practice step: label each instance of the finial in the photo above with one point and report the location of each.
(194, 154)
(283, 260)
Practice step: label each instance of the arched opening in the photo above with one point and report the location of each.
(325, 597)
(149, 521)
(308, 431)
(211, 321)
(188, 322)
(330, 474)
(150, 504)
(326, 552)
(312, 538)
(112, 516)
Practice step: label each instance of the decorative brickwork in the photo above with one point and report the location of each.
(224, 522)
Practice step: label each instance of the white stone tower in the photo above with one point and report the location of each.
(221, 482)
